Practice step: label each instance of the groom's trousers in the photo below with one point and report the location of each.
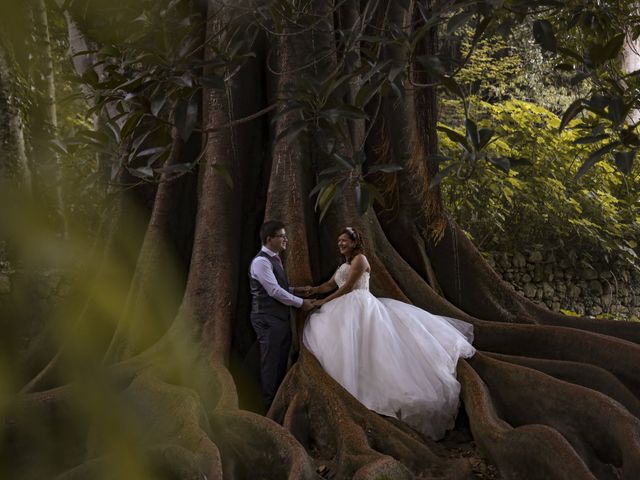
(274, 337)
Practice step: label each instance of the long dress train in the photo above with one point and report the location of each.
(396, 359)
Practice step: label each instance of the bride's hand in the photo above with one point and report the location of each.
(304, 291)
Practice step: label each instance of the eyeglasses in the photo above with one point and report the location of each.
(282, 236)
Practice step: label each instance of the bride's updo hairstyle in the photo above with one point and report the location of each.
(356, 236)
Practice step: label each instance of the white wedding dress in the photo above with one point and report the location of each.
(396, 359)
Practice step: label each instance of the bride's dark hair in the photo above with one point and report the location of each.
(356, 236)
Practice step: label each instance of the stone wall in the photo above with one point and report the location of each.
(568, 284)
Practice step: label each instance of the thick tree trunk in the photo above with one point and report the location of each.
(14, 170)
(631, 63)
(45, 161)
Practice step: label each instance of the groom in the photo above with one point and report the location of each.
(272, 299)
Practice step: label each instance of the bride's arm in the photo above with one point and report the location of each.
(322, 288)
(359, 265)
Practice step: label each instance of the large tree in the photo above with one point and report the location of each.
(224, 115)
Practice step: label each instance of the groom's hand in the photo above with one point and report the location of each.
(307, 305)
(303, 291)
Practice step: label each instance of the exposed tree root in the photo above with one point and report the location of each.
(600, 430)
(274, 452)
(590, 376)
(533, 452)
(561, 343)
(346, 438)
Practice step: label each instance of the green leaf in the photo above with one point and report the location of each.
(325, 198)
(519, 161)
(590, 139)
(325, 140)
(565, 67)
(432, 64)
(597, 104)
(484, 135)
(292, 131)
(503, 163)
(443, 173)
(624, 160)
(130, 124)
(319, 186)
(331, 171)
(599, 54)
(90, 77)
(344, 112)
(472, 133)
(133, 84)
(367, 92)
(452, 86)
(158, 101)
(617, 110)
(333, 83)
(57, 146)
(224, 172)
(543, 35)
(454, 136)
(344, 161)
(211, 81)
(571, 53)
(141, 172)
(186, 116)
(363, 198)
(577, 79)
(458, 20)
(95, 137)
(480, 28)
(595, 157)
(385, 168)
(572, 110)
(150, 151)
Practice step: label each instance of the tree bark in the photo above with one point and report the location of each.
(45, 161)
(14, 170)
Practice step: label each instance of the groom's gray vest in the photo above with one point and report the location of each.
(262, 303)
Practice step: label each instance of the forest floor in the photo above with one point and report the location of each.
(459, 443)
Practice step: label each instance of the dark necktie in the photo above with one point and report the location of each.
(278, 261)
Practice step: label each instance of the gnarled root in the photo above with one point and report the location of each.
(272, 450)
(536, 426)
(345, 438)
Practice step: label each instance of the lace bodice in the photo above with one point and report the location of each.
(343, 272)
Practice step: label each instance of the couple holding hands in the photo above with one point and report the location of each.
(396, 359)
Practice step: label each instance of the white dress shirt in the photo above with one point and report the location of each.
(262, 271)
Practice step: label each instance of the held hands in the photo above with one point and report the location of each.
(305, 291)
(308, 291)
(311, 304)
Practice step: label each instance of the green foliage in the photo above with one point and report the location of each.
(542, 204)
(501, 68)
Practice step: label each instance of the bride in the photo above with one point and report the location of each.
(396, 359)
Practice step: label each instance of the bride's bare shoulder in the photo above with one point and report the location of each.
(361, 260)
